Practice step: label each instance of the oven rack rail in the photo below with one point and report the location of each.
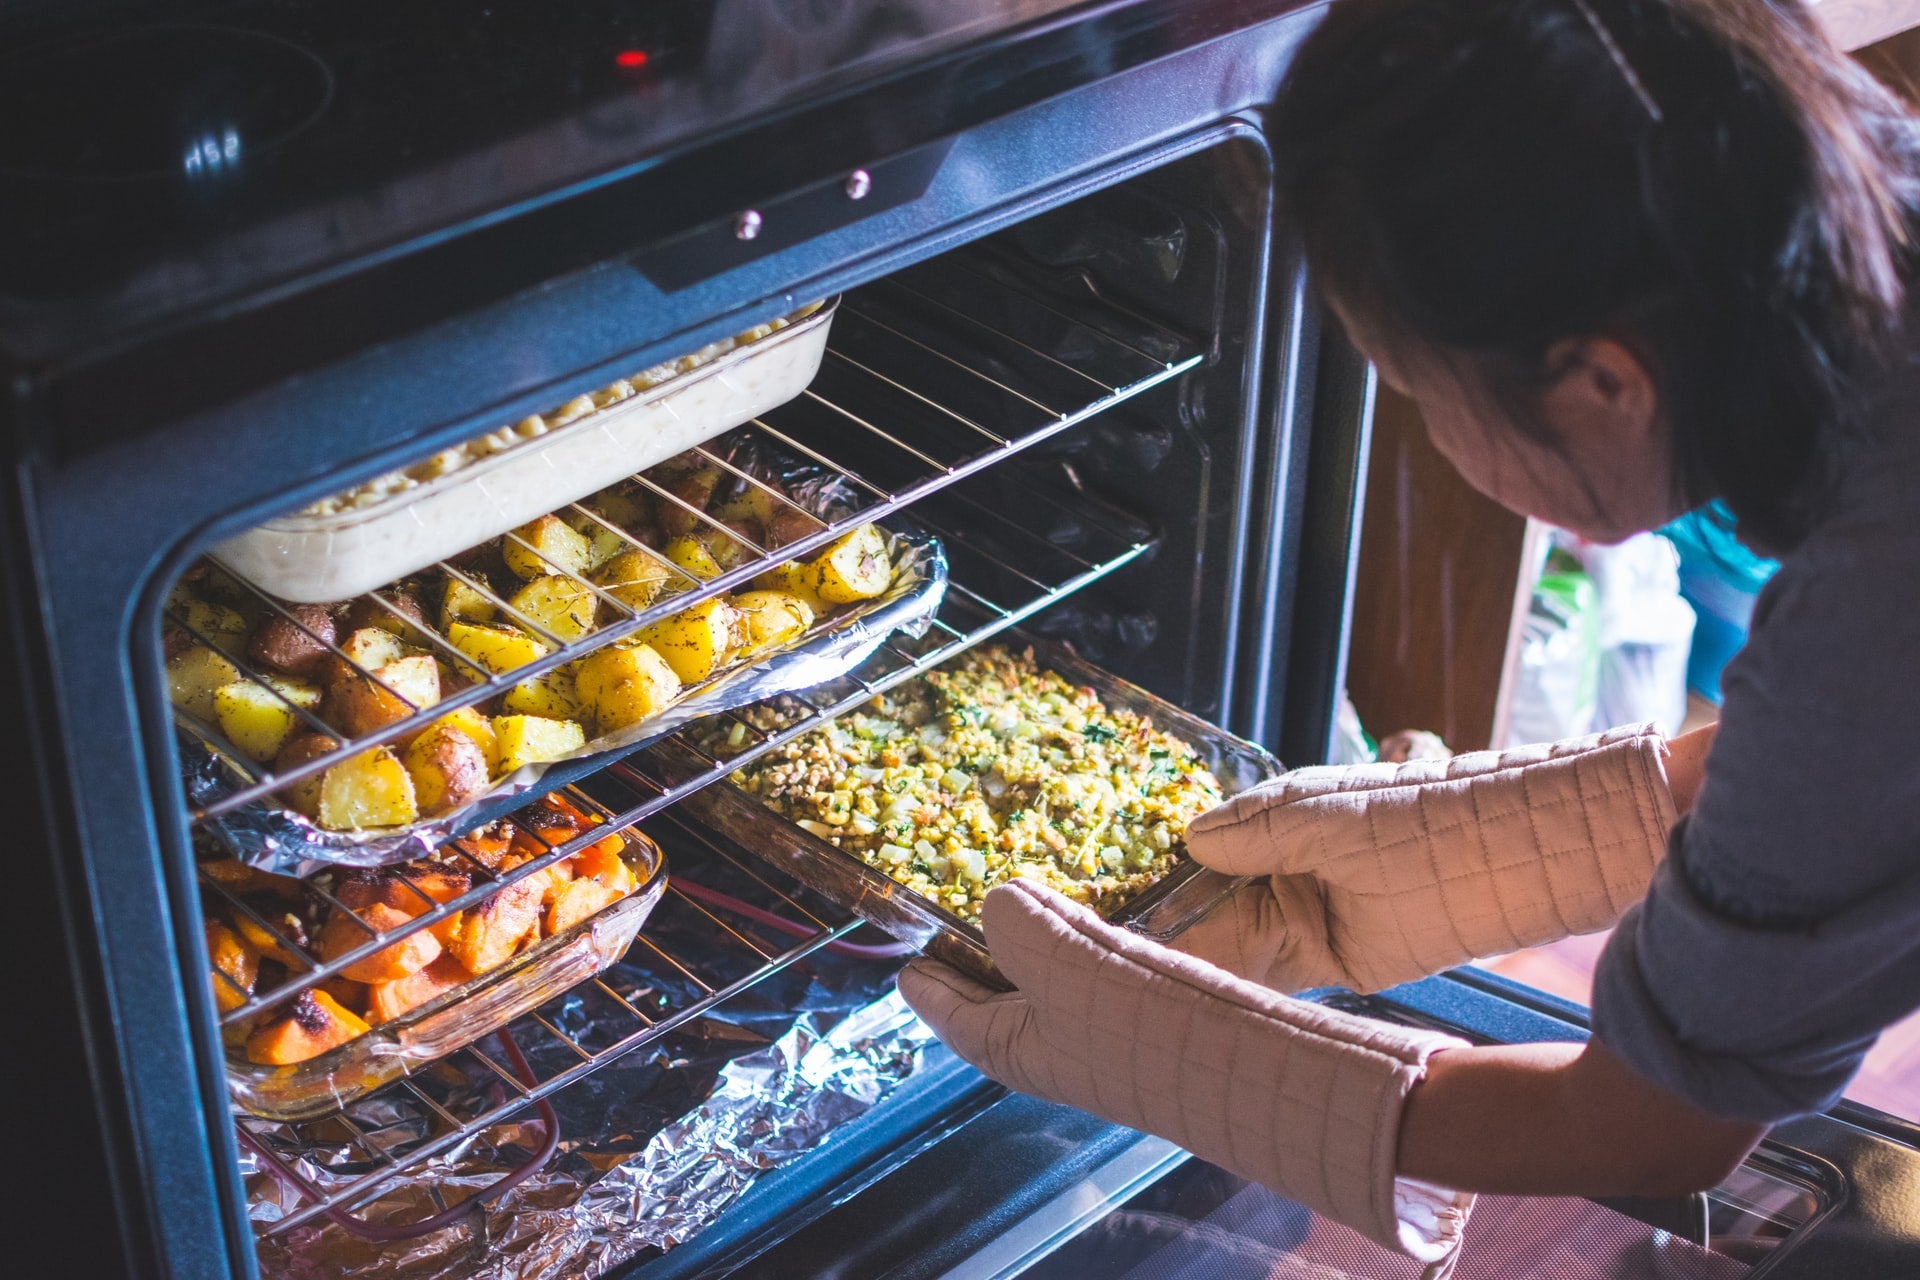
(732, 960)
(915, 356)
(655, 780)
(990, 550)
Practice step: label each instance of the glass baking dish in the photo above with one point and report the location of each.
(460, 1016)
(316, 559)
(1161, 911)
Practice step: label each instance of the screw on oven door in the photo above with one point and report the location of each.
(747, 225)
(859, 182)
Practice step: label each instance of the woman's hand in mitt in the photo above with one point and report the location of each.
(1304, 1099)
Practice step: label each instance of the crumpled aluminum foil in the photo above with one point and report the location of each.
(287, 843)
(630, 1175)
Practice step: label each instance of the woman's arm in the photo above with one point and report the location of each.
(1561, 1119)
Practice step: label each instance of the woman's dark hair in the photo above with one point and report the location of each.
(1708, 180)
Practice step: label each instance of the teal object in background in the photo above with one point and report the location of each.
(1720, 578)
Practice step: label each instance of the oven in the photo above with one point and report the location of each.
(262, 253)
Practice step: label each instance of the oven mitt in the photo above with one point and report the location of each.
(1303, 1099)
(1382, 873)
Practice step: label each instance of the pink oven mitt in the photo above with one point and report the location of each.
(1303, 1099)
(1382, 873)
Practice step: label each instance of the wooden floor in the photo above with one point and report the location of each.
(1890, 1080)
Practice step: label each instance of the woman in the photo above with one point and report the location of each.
(1628, 256)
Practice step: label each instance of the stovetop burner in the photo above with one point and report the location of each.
(155, 102)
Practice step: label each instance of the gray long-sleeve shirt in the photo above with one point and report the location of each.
(1782, 931)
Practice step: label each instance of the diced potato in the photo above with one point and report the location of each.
(560, 605)
(752, 505)
(211, 623)
(545, 546)
(470, 721)
(304, 795)
(693, 556)
(371, 789)
(531, 739)
(551, 695)
(628, 509)
(369, 649)
(697, 641)
(258, 719)
(635, 578)
(295, 645)
(194, 676)
(462, 603)
(625, 685)
(363, 705)
(798, 580)
(405, 618)
(498, 649)
(448, 769)
(853, 567)
(772, 618)
(694, 488)
(603, 544)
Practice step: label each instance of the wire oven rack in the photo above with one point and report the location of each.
(911, 379)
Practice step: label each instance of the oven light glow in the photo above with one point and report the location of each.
(630, 59)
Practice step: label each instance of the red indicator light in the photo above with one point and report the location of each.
(631, 59)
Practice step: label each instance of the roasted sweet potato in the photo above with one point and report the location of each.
(448, 769)
(490, 933)
(295, 645)
(601, 862)
(578, 900)
(407, 890)
(410, 954)
(237, 876)
(316, 1024)
(491, 846)
(388, 1000)
(236, 966)
(284, 923)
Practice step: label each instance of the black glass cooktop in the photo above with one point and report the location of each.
(157, 158)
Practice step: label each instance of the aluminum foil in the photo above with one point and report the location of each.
(634, 1172)
(287, 843)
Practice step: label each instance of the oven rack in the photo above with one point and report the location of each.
(731, 959)
(992, 553)
(910, 379)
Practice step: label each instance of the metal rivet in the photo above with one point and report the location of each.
(747, 225)
(859, 182)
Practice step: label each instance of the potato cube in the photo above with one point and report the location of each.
(545, 546)
(693, 556)
(558, 605)
(624, 686)
(462, 603)
(603, 544)
(194, 676)
(697, 641)
(551, 695)
(629, 509)
(295, 645)
(372, 789)
(369, 649)
(448, 769)
(752, 505)
(498, 649)
(531, 739)
(216, 624)
(771, 619)
(796, 580)
(693, 488)
(304, 795)
(472, 722)
(361, 705)
(258, 719)
(635, 578)
(853, 567)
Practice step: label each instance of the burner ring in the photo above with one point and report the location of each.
(152, 102)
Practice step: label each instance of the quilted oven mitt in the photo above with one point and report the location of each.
(1303, 1099)
(1379, 874)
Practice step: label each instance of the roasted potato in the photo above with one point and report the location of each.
(694, 488)
(371, 789)
(551, 695)
(401, 614)
(559, 605)
(790, 524)
(624, 685)
(530, 739)
(258, 719)
(732, 549)
(603, 544)
(448, 769)
(472, 722)
(770, 619)
(799, 581)
(367, 649)
(853, 567)
(215, 624)
(295, 645)
(361, 705)
(545, 546)
(304, 795)
(462, 603)
(623, 505)
(497, 649)
(194, 676)
(697, 641)
(752, 505)
(693, 556)
(635, 578)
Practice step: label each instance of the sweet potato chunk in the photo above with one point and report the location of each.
(577, 901)
(388, 1000)
(236, 966)
(285, 923)
(316, 1024)
(490, 933)
(388, 889)
(410, 954)
(601, 862)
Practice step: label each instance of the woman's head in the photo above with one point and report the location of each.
(1629, 255)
